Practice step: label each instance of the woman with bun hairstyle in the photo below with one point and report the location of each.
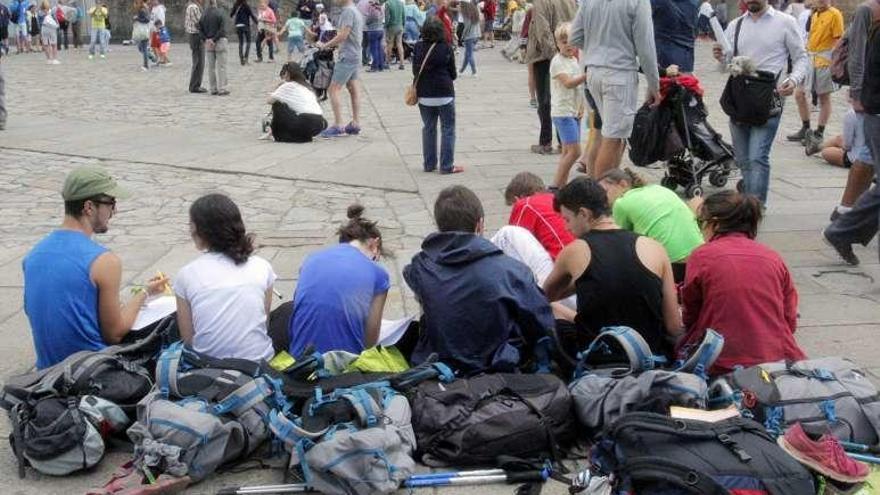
(654, 211)
(739, 287)
(224, 295)
(341, 291)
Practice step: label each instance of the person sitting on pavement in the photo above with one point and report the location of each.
(296, 114)
(654, 211)
(477, 303)
(620, 277)
(71, 283)
(739, 287)
(224, 295)
(341, 292)
(533, 210)
(850, 150)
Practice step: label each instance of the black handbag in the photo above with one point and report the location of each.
(750, 99)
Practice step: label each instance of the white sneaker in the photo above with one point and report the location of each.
(265, 137)
(103, 56)
(56, 62)
(144, 69)
(91, 57)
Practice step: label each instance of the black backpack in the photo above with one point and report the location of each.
(474, 421)
(652, 454)
(750, 99)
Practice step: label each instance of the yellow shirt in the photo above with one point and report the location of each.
(99, 16)
(511, 7)
(826, 27)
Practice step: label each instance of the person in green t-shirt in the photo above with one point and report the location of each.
(394, 18)
(296, 29)
(654, 211)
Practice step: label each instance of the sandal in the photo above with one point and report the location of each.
(582, 167)
(455, 170)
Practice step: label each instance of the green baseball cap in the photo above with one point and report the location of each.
(87, 182)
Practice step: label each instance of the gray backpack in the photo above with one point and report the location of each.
(203, 413)
(356, 440)
(618, 374)
(825, 395)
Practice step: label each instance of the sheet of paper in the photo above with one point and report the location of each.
(392, 330)
(154, 310)
(706, 10)
(701, 415)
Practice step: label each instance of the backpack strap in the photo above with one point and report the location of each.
(638, 352)
(739, 23)
(289, 431)
(366, 407)
(704, 356)
(167, 369)
(245, 397)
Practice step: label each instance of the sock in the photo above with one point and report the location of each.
(820, 130)
(805, 125)
(843, 209)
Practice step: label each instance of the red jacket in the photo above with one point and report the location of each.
(489, 9)
(535, 214)
(743, 290)
(443, 15)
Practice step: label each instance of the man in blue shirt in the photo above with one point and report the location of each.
(71, 283)
(482, 310)
(674, 30)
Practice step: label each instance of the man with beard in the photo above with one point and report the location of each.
(71, 283)
(770, 38)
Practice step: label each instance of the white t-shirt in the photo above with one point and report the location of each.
(564, 102)
(228, 303)
(157, 13)
(299, 98)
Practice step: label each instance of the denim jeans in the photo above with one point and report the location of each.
(751, 148)
(143, 47)
(244, 41)
(469, 56)
(377, 54)
(97, 37)
(446, 114)
(542, 92)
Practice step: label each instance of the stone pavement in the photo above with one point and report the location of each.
(169, 147)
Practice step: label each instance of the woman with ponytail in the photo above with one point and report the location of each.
(341, 291)
(224, 295)
(739, 288)
(653, 211)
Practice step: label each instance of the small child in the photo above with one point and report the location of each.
(164, 42)
(266, 22)
(33, 23)
(566, 102)
(295, 28)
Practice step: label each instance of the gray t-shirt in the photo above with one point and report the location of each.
(350, 50)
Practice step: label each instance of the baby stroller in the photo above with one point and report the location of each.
(317, 66)
(678, 133)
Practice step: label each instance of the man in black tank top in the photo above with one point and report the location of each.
(619, 277)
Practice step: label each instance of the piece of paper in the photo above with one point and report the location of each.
(701, 415)
(154, 310)
(706, 10)
(392, 330)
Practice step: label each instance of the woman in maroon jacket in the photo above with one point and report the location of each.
(739, 287)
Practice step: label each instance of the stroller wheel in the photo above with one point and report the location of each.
(669, 182)
(718, 178)
(693, 191)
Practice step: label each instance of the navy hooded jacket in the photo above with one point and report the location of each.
(474, 299)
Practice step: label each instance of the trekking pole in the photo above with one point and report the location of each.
(266, 489)
(870, 459)
(456, 474)
(859, 447)
(468, 478)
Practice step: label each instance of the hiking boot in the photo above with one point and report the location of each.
(843, 249)
(813, 143)
(799, 136)
(825, 456)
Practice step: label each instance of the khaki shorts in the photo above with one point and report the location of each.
(615, 93)
(819, 81)
(49, 35)
(393, 35)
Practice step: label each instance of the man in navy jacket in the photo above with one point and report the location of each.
(482, 310)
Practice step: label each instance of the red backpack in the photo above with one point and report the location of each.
(840, 54)
(59, 14)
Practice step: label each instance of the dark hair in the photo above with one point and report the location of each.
(470, 12)
(295, 72)
(731, 211)
(522, 185)
(616, 176)
(75, 208)
(359, 228)
(583, 193)
(457, 209)
(433, 31)
(294, 13)
(217, 221)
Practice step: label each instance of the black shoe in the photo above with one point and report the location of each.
(198, 90)
(223, 93)
(834, 215)
(214, 93)
(844, 250)
(799, 135)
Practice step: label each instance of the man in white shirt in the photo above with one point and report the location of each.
(770, 38)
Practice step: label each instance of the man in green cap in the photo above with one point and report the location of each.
(71, 283)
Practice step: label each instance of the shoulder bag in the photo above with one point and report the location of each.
(410, 97)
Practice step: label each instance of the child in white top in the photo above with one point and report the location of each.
(566, 102)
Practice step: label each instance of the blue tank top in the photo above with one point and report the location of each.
(60, 299)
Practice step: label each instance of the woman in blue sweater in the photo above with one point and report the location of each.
(434, 59)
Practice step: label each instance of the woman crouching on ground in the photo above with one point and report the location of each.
(296, 115)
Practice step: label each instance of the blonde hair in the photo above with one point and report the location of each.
(44, 5)
(616, 176)
(562, 32)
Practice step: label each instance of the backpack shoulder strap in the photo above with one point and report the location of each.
(638, 352)
(739, 23)
(167, 369)
(704, 356)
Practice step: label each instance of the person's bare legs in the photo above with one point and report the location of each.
(333, 91)
(857, 182)
(354, 91)
(569, 154)
(531, 82)
(803, 105)
(608, 156)
(824, 110)
(400, 50)
(833, 155)
(591, 148)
